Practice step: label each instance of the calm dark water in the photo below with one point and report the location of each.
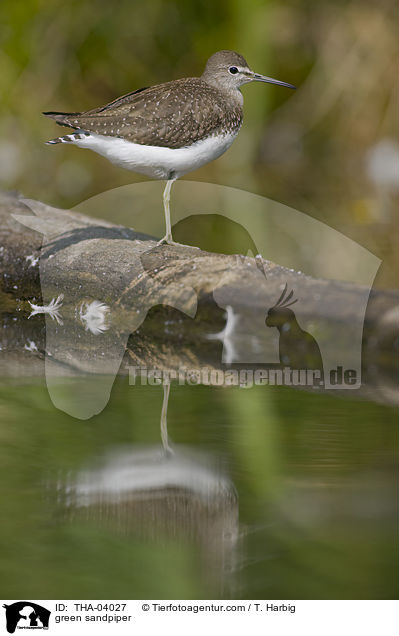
(269, 493)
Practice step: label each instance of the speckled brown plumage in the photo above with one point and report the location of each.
(168, 130)
(173, 115)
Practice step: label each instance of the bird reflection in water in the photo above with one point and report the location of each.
(159, 494)
(164, 419)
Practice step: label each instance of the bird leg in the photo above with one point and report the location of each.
(168, 238)
(166, 201)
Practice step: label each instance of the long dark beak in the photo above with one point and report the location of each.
(262, 78)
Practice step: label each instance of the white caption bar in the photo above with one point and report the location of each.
(280, 618)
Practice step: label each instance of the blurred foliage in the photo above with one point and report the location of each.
(331, 149)
(316, 479)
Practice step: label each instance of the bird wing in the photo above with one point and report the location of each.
(171, 115)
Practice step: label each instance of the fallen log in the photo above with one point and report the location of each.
(166, 304)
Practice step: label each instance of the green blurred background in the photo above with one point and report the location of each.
(316, 475)
(330, 149)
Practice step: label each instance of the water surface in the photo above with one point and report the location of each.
(269, 493)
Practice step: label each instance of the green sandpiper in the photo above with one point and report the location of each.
(168, 130)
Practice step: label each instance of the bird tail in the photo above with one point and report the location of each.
(68, 138)
(63, 119)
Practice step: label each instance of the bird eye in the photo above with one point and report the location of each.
(233, 70)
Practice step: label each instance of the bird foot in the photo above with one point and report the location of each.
(167, 240)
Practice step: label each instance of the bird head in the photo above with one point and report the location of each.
(230, 70)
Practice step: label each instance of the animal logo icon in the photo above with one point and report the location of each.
(27, 615)
(298, 349)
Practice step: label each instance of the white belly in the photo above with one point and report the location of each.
(155, 161)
